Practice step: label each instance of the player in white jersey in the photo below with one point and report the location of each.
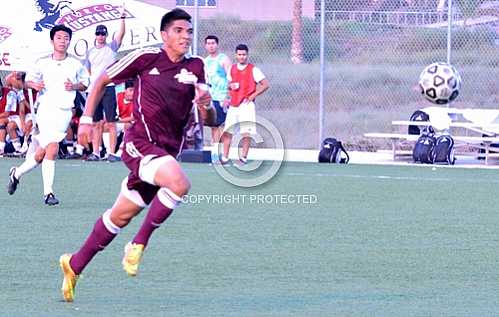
(56, 77)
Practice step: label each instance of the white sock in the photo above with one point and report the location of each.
(48, 173)
(106, 142)
(215, 147)
(26, 166)
(79, 149)
(32, 147)
(17, 144)
(2, 147)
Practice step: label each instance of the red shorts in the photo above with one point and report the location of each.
(134, 152)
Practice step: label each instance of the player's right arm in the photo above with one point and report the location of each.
(127, 67)
(34, 78)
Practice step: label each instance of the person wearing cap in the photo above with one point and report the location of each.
(98, 58)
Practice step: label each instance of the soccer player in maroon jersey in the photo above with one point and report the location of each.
(166, 85)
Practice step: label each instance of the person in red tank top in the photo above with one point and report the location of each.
(4, 116)
(246, 82)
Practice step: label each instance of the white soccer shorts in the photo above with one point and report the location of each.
(53, 123)
(243, 116)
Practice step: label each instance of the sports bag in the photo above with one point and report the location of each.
(332, 151)
(418, 115)
(423, 148)
(443, 151)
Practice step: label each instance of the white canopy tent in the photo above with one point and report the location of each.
(25, 27)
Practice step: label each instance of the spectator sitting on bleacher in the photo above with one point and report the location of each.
(16, 107)
(4, 116)
(125, 118)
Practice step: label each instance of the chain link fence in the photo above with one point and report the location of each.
(373, 56)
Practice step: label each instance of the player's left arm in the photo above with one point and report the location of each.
(261, 87)
(202, 97)
(121, 33)
(227, 64)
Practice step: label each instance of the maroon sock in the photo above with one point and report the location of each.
(156, 215)
(98, 239)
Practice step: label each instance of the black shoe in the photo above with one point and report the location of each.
(51, 200)
(74, 156)
(13, 181)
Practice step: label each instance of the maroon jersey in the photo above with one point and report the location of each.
(162, 98)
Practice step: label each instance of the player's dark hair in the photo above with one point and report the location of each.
(129, 83)
(242, 47)
(60, 27)
(173, 15)
(211, 37)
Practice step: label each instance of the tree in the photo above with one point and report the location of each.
(297, 35)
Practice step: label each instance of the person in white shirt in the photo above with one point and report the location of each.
(102, 55)
(56, 77)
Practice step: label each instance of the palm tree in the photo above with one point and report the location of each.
(297, 35)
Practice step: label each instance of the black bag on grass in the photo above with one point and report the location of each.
(418, 115)
(423, 148)
(332, 151)
(443, 151)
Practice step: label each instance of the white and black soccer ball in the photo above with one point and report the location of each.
(440, 83)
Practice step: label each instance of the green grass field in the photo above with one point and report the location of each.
(380, 241)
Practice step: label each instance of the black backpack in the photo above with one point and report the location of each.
(443, 151)
(418, 115)
(332, 151)
(423, 148)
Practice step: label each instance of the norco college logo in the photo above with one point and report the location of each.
(88, 16)
(5, 32)
(76, 19)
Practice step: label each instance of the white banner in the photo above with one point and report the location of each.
(25, 26)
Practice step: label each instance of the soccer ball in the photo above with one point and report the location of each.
(440, 83)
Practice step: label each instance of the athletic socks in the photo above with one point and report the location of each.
(48, 173)
(16, 143)
(26, 166)
(102, 234)
(161, 208)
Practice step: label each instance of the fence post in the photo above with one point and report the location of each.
(449, 30)
(321, 84)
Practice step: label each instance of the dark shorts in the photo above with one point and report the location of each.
(221, 113)
(106, 109)
(133, 152)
